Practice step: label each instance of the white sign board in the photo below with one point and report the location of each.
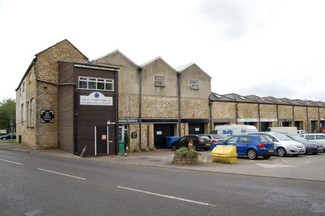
(97, 99)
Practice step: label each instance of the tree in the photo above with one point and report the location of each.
(7, 114)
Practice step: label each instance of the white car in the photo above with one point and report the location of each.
(284, 145)
(315, 137)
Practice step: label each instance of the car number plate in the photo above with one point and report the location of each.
(271, 151)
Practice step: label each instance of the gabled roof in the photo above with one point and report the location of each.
(232, 97)
(157, 59)
(219, 97)
(35, 58)
(150, 61)
(239, 98)
(258, 99)
(275, 100)
(181, 68)
(185, 67)
(117, 51)
(65, 40)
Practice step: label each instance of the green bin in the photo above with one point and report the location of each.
(121, 147)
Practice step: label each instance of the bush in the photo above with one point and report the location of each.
(184, 155)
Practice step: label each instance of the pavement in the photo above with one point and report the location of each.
(304, 167)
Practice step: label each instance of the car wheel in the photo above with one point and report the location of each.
(266, 156)
(4, 139)
(281, 152)
(251, 154)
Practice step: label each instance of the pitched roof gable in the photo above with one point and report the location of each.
(114, 52)
(63, 41)
(183, 68)
(157, 59)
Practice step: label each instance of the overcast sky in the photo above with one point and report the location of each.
(261, 47)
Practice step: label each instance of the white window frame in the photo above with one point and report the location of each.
(194, 84)
(94, 82)
(159, 81)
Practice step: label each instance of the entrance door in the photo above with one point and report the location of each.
(161, 132)
(196, 128)
(102, 140)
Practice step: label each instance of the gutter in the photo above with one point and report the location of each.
(140, 108)
(179, 103)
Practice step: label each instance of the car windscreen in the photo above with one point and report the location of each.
(281, 137)
(216, 136)
(320, 136)
(297, 138)
(205, 138)
(265, 138)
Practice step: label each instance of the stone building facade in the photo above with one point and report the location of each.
(265, 112)
(154, 100)
(37, 93)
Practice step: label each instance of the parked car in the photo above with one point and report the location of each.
(315, 137)
(8, 136)
(252, 146)
(283, 145)
(311, 147)
(215, 138)
(199, 142)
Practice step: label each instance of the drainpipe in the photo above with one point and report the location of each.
(318, 121)
(277, 115)
(237, 113)
(179, 102)
(210, 113)
(116, 111)
(307, 122)
(259, 116)
(75, 120)
(140, 102)
(293, 116)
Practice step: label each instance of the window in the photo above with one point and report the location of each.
(30, 77)
(194, 84)
(245, 139)
(309, 137)
(91, 83)
(27, 113)
(22, 113)
(232, 140)
(159, 81)
(31, 113)
(320, 137)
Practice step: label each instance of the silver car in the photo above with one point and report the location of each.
(311, 147)
(283, 145)
(315, 137)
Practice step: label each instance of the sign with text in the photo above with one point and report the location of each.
(97, 99)
(47, 116)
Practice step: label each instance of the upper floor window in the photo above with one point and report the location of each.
(194, 84)
(92, 83)
(32, 112)
(160, 81)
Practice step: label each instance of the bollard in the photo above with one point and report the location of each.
(83, 151)
(126, 151)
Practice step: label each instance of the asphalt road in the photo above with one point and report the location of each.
(40, 184)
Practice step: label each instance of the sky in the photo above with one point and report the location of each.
(248, 47)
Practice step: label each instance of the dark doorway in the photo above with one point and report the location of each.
(265, 126)
(196, 128)
(161, 132)
(102, 140)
